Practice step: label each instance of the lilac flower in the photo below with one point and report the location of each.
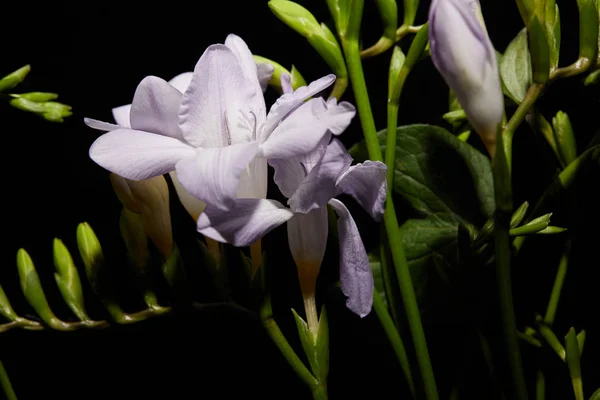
(217, 135)
(462, 52)
(310, 182)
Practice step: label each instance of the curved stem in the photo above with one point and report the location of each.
(6, 385)
(395, 340)
(391, 223)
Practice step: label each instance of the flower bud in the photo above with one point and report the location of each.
(90, 251)
(14, 78)
(410, 11)
(588, 29)
(465, 57)
(296, 17)
(388, 11)
(278, 70)
(38, 97)
(564, 137)
(67, 279)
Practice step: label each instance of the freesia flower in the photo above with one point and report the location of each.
(217, 135)
(462, 52)
(310, 182)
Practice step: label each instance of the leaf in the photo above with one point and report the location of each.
(438, 173)
(515, 67)
(431, 250)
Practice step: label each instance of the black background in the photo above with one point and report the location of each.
(93, 55)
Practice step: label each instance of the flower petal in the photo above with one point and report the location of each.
(253, 181)
(299, 133)
(339, 116)
(138, 155)
(247, 221)
(264, 72)
(289, 173)
(218, 87)
(121, 115)
(355, 272)
(213, 175)
(319, 186)
(290, 101)
(181, 81)
(155, 108)
(286, 83)
(192, 205)
(307, 237)
(100, 125)
(367, 184)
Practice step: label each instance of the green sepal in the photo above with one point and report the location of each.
(14, 78)
(316, 347)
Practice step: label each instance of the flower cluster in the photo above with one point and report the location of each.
(210, 130)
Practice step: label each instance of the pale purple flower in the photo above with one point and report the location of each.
(216, 135)
(464, 55)
(310, 182)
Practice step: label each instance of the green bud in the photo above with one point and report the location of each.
(28, 105)
(275, 82)
(388, 11)
(551, 230)
(519, 214)
(455, 118)
(550, 338)
(410, 11)
(296, 17)
(593, 78)
(329, 49)
(548, 133)
(14, 78)
(5, 307)
(525, 9)
(539, 48)
(581, 340)
(396, 64)
(574, 362)
(464, 135)
(38, 97)
(565, 138)
(297, 79)
(50, 110)
(340, 11)
(32, 288)
(596, 395)
(533, 226)
(67, 279)
(552, 24)
(417, 47)
(90, 252)
(588, 29)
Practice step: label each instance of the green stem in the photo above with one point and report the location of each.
(6, 385)
(557, 287)
(266, 316)
(395, 340)
(540, 386)
(391, 223)
(389, 279)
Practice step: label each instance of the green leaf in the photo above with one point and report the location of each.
(438, 173)
(515, 67)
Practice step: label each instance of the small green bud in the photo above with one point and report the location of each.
(388, 12)
(410, 11)
(90, 251)
(581, 340)
(464, 135)
(296, 17)
(67, 279)
(519, 214)
(574, 362)
(5, 307)
(417, 47)
(455, 117)
(533, 226)
(14, 78)
(551, 230)
(396, 64)
(27, 105)
(553, 33)
(340, 11)
(588, 29)
(593, 78)
(550, 338)
(539, 48)
(275, 82)
(38, 97)
(548, 133)
(565, 138)
(50, 110)
(329, 49)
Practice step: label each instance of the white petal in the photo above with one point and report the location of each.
(367, 184)
(289, 173)
(355, 272)
(286, 83)
(121, 115)
(253, 181)
(245, 60)
(319, 186)
(290, 101)
(307, 237)
(181, 81)
(155, 108)
(213, 175)
(100, 125)
(192, 205)
(265, 72)
(339, 116)
(138, 155)
(299, 133)
(247, 221)
(218, 86)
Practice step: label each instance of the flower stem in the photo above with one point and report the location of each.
(540, 386)
(6, 385)
(266, 316)
(557, 287)
(395, 339)
(256, 256)
(391, 223)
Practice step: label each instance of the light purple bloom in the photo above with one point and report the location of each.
(310, 182)
(216, 135)
(462, 52)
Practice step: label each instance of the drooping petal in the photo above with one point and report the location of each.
(319, 186)
(355, 272)
(290, 101)
(338, 116)
(367, 184)
(307, 237)
(286, 83)
(265, 72)
(218, 87)
(299, 133)
(288, 175)
(100, 125)
(213, 175)
(155, 108)
(253, 181)
(121, 115)
(181, 81)
(192, 205)
(247, 221)
(138, 155)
